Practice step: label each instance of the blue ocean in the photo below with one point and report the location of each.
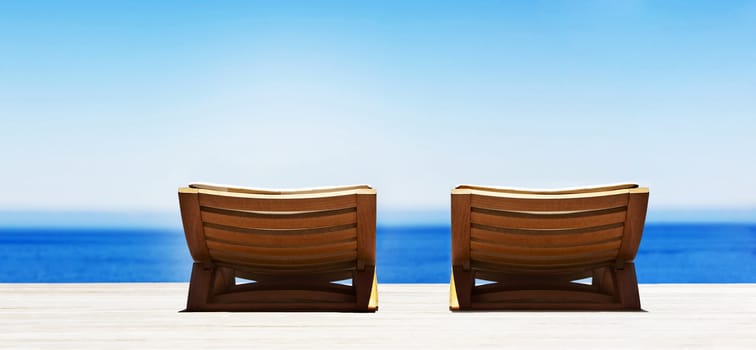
(669, 253)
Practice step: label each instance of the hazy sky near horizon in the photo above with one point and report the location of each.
(113, 105)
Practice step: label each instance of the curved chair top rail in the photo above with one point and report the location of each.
(250, 192)
(576, 192)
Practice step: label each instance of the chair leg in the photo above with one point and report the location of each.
(363, 286)
(626, 284)
(464, 282)
(225, 279)
(603, 280)
(200, 287)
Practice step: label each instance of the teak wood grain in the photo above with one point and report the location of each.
(550, 239)
(280, 239)
(294, 246)
(531, 245)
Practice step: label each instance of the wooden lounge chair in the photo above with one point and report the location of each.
(534, 247)
(293, 246)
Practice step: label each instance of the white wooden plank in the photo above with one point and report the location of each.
(96, 316)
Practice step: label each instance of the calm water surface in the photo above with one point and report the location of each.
(680, 253)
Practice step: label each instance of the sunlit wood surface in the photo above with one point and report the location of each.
(141, 316)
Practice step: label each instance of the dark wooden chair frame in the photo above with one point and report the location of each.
(533, 246)
(293, 245)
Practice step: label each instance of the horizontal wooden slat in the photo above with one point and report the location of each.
(283, 296)
(301, 263)
(544, 262)
(548, 203)
(303, 282)
(516, 279)
(575, 190)
(533, 238)
(280, 239)
(291, 253)
(265, 191)
(543, 306)
(244, 219)
(512, 286)
(274, 203)
(279, 214)
(252, 270)
(314, 282)
(546, 221)
(546, 296)
(336, 274)
(533, 252)
(277, 307)
(488, 269)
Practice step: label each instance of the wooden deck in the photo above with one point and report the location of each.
(108, 316)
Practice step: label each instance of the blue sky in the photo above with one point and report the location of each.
(111, 106)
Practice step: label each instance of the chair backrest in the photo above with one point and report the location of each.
(514, 229)
(308, 230)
